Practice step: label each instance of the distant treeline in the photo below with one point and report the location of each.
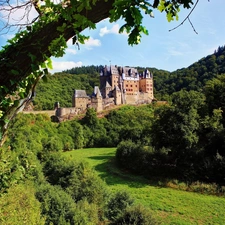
(192, 78)
(84, 70)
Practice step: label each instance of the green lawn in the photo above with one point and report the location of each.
(169, 206)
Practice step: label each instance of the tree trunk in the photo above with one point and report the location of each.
(17, 57)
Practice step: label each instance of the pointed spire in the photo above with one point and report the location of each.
(107, 85)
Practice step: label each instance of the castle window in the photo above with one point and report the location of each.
(131, 85)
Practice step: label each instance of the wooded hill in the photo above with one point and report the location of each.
(60, 86)
(192, 78)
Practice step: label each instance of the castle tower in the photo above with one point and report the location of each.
(106, 91)
(114, 75)
(80, 99)
(96, 100)
(146, 84)
(117, 96)
(104, 76)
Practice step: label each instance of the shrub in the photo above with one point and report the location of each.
(135, 215)
(86, 213)
(131, 156)
(57, 206)
(78, 179)
(85, 184)
(118, 204)
(19, 206)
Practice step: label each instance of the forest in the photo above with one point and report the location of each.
(183, 140)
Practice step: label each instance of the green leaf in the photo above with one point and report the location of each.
(45, 79)
(46, 71)
(14, 72)
(49, 63)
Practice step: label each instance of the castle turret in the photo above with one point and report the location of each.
(117, 96)
(96, 99)
(146, 84)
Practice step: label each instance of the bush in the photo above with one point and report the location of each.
(118, 204)
(135, 215)
(131, 156)
(87, 213)
(57, 206)
(19, 206)
(78, 179)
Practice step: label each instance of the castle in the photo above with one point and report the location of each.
(118, 85)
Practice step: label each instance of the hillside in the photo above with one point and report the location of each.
(194, 77)
(169, 206)
(59, 88)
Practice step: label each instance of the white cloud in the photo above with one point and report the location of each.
(91, 42)
(114, 30)
(64, 65)
(174, 52)
(71, 51)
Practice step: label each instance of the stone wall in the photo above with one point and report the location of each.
(60, 112)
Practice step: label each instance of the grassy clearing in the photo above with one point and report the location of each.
(169, 206)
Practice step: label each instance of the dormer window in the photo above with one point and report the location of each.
(129, 72)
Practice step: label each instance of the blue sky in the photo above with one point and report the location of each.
(160, 49)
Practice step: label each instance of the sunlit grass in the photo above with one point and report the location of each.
(168, 205)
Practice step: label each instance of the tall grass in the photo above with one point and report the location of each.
(169, 205)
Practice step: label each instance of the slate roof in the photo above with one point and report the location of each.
(96, 92)
(116, 88)
(107, 84)
(114, 70)
(129, 71)
(80, 94)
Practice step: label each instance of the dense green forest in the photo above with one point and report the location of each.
(60, 87)
(183, 139)
(192, 78)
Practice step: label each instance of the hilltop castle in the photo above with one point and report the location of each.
(126, 85)
(118, 85)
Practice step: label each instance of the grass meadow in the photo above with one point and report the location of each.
(169, 206)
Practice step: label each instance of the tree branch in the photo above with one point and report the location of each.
(187, 18)
(37, 43)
